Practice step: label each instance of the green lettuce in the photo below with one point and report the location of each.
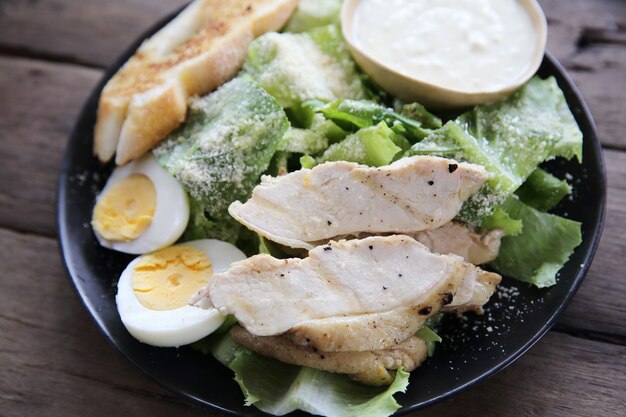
(541, 249)
(312, 14)
(418, 112)
(219, 153)
(374, 146)
(500, 219)
(295, 67)
(543, 190)
(352, 115)
(431, 338)
(279, 388)
(314, 139)
(510, 139)
(307, 162)
(305, 141)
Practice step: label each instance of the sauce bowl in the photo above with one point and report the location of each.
(411, 89)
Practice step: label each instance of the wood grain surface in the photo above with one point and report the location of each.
(54, 362)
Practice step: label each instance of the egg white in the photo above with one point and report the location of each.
(171, 213)
(181, 326)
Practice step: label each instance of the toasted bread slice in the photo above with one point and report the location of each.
(202, 48)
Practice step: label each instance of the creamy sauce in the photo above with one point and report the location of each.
(463, 45)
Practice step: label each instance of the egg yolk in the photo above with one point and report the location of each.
(166, 279)
(126, 210)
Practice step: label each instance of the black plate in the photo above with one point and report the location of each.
(473, 349)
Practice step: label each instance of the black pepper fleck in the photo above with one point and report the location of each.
(326, 248)
(371, 247)
(425, 311)
(400, 275)
(431, 182)
(452, 168)
(329, 222)
(384, 288)
(447, 298)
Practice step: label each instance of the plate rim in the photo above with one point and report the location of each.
(63, 236)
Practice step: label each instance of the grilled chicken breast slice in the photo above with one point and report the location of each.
(347, 278)
(308, 207)
(460, 239)
(364, 332)
(477, 288)
(372, 368)
(454, 238)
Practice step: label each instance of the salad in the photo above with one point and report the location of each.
(301, 105)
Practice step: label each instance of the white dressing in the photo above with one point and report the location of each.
(463, 45)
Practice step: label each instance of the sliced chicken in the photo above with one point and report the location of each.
(477, 288)
(308, 207)
(381, 288)
(371, 368)
(460, 239)
(452, 238)
(363, 332)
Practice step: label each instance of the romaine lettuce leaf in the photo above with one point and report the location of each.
(294, 67)
(279, 388)
(307, 161)
(305, 141)
(541, 249)
(374, 146)
(510, 138)
(330, 41)
(500, 219)
(431, 338)
(352, 115)
(220, 151)
(311, 14)
(417, 112)
(542, 190)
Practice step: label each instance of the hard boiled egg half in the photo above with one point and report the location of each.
(154, 291)
(142, 208)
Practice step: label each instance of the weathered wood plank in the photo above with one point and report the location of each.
(92, 32)
(587, 37)
(54, 362)
(36, 122)
(39, 105)
(597, 306)
(600, 73)
(571, 21)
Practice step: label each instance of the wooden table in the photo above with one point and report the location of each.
(53, 360)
